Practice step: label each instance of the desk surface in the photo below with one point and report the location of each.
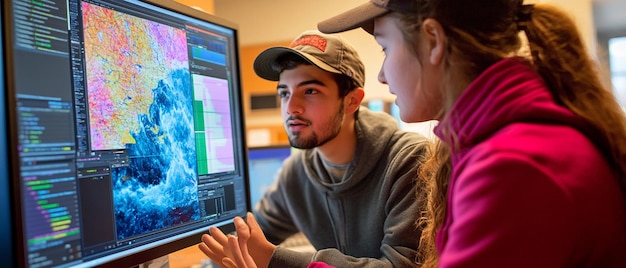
(190, 257)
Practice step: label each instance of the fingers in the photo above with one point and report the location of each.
(222, 239)
(260, 249)
(218, 236)
(243, 231)
(252, 223)
(212, 249)
(205, 249)
(207, 244)
(243, 234)
(230, 251)
(215, 245)
(212, 244)
(240, 253)
(234, 247)
(255, 232)
(229, 263)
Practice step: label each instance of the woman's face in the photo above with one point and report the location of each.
(412, 80)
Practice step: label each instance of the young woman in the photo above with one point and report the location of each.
(537, 145)
(534, 144)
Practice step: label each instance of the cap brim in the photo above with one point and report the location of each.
(362, 16)
(266, 60)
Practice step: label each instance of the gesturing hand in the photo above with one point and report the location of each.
(249, 249)
(215, 246)
(239, 247)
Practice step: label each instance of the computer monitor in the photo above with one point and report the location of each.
(122, 135)
(264, 163)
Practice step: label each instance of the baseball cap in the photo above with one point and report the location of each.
(363, 16)
(328, 52)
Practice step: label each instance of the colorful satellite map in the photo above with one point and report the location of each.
(140, 99)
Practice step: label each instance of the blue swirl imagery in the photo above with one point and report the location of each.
(158, 189)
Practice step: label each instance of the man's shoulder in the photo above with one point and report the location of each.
(408, 138)
(408, 147)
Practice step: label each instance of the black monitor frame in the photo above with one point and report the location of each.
(12, 244)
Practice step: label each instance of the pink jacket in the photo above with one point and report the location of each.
(529, 187)
(319, 265)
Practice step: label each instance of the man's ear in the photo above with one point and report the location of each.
(354, 99)
(436, 39)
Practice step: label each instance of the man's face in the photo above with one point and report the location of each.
(310, 105)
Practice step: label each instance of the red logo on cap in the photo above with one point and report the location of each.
(311, 40)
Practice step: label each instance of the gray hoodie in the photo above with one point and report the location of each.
(368, 219)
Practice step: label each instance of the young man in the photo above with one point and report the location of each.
(350, 189)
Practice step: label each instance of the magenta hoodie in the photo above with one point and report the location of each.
(318, 264)
(529, 187)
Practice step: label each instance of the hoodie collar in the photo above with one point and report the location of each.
(508, 91)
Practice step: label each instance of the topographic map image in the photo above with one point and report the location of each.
(140, 99)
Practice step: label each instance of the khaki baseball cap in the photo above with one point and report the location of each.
(363, 16)
(329, 52)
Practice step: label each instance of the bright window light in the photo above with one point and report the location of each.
(617, 59)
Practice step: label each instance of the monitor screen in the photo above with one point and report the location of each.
(264, 164)
(124, 130)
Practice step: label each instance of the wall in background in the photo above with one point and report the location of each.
(204, 5)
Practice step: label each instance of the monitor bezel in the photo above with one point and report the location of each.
(7, 232)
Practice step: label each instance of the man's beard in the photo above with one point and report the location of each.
(330, 132)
